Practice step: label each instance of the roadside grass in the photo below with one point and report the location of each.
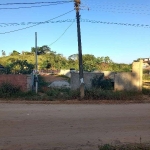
(52, 94)
(100, 94)
(125, 147)
(8, 91)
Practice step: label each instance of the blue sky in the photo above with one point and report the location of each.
(121, 43)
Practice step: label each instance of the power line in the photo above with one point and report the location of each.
(116, 23)
(29, 23)
(62, 34)
(114, 4)
(82, 20)
(37, 23)
(114, 7)
(34, 6)
(36, 3)
(119, 11)
(118, 8)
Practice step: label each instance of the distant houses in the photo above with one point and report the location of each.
(146, 63)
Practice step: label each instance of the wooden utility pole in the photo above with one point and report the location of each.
(77, 7)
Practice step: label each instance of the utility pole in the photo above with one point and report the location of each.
(36, 65)
(77, 7)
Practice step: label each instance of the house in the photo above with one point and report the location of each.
(146, 63)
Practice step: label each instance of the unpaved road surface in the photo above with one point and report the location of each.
(71, 127)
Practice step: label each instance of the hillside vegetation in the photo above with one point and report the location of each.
(50, 60)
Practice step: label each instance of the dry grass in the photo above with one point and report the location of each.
(125, 147)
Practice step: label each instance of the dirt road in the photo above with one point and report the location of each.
(71, 127)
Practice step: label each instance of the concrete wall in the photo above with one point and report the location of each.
(65, 72)
(126, 81)
(75, 83)
(107, 74)
(130, 81)
(24, 81)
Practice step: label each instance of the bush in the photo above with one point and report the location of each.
(146, 91)
(62, 94)
(8, 90)
(100, 82)
(99, 94)
(41, 83)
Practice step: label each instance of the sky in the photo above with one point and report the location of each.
(119, 29)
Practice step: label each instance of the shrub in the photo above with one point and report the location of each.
(99, 94)
(100, 82)
(7, 90)
(146, 91)
(41, 83)
(62, 93)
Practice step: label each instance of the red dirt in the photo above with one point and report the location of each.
(72, 127)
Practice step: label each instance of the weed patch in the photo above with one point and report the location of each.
(8, 90)
(99, 94)
(125, 147)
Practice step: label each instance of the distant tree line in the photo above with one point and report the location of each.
(24, 62)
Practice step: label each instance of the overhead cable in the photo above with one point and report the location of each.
(73, 20)
(37, 23)
(36, 3)
(34, 6)
(62, 33)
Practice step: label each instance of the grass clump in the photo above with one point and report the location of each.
(125, 147)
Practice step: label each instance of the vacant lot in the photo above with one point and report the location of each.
(71, 127)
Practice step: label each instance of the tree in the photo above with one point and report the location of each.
(14, 53)
(89, 62)
(41, 50)
(73, 57)
(20, 66)
(107, 60)
(46, 65)
(3, 53)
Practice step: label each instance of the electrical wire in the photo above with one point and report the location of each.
(37, 23)
(82, 20)
(115, 4)
(36, 3)
(62, 34)
(108, 7)
(116, 23)
(29, 23)
(33, 6)
(119, 11)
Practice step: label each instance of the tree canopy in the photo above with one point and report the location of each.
(50, 60)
